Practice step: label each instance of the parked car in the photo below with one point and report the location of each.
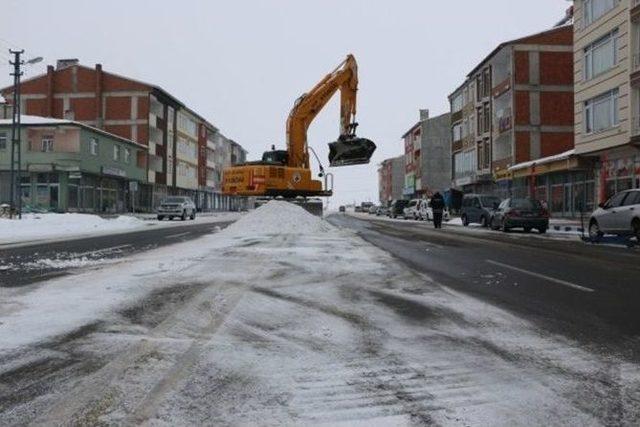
(478, 209)
(411, 210)
(342, 209)
(396, 208)
(425, 212)
(358, 209)
(177, 207)
(619, 215)
(373, 209)
(365, 206)
(520, 213)
(382, 210)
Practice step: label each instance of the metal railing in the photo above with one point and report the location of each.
(635, 126)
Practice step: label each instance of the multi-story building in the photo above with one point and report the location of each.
(131, 109)
(427, 147)
(607, 93)
(70, 166)
(512, 115)
(391, 179)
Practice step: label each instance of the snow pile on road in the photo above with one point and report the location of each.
(277, 217)
(52, 225)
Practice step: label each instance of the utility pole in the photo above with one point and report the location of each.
(15, 134)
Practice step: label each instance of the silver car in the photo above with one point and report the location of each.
(619, 215)
(177, 207)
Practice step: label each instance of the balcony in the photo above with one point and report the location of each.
(635, 126)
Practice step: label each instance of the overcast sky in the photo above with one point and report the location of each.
(241, 64)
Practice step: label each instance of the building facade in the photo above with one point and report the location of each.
(142, 112)
(513, 112)
(69, 166)
(607, 92)
(427, 148)
(391, 180)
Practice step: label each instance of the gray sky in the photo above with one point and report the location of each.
(241, 64)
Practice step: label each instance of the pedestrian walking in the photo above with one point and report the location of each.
(437, 207)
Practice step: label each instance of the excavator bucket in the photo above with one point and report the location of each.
(347, 151)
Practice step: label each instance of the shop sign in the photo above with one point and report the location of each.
(75, 175)
(40, 168)
(502, 174)
(114, 171)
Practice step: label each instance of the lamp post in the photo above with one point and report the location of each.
(16, 180)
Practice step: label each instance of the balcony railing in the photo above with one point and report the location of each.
(635, 126)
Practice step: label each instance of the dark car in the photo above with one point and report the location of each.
(478, 209)
(520, 213)
(342, 209)
(396, 208)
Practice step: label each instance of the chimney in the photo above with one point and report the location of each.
(424, 115)
(98, 96)
(64, 63)
(50, 90)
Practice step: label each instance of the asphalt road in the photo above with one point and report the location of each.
(584, 292)
(29, 264)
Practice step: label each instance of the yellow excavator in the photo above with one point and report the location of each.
(286, 173)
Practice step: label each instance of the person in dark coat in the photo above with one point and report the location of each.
(437, 206)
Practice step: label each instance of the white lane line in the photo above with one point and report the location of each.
(99, 251)
(542, 276)
(176, 235)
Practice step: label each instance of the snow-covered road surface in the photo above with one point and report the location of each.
(284, 319)
(53, 226)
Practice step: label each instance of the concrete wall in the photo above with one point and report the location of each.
(436, 153)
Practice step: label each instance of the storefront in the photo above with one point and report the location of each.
(618, 170)
(565, 183)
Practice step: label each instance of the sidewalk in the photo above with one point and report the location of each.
(556, 225)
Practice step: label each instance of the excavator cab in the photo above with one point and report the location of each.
(350, 150)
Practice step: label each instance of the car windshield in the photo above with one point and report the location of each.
(526, 204)
(489, 201)
(174, 200)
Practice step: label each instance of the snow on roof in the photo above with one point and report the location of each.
(37, 120)
(549, 159)
(26, 120)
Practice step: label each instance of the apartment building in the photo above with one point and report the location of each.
(70, 166)
(391, 180)
(135, 110)
(607, 92)
(427, 147)
(513, 112)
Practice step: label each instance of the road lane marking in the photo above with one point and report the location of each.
(542, 276)
(177, 235)
(99, 251)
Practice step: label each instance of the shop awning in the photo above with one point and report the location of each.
(558, 162)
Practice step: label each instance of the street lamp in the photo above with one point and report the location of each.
(15, 128)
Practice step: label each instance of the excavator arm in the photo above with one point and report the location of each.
(348, 149)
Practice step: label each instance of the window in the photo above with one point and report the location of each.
(457, 132)
(47, 144)
(187, 125)
(486, 125)
(594, 9)
(615, 201)
(3, 140)
(93, 146)
(601, 55)
(116, 153)
(632, 199)
(601, 113)
(456, 103)
(127, 155)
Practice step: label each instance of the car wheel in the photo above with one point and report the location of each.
(594, 231)
(635, 228)
(183, 217)
(465, 221)
(193, 215)
(527, 229)
(503, 226)
(542, 230)
(483, 221)
(160, 217)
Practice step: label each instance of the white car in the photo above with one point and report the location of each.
(619, 215)
(176, 207)
(425, 212)
(411, 211)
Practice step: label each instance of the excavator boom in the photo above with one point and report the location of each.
(288, 173)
